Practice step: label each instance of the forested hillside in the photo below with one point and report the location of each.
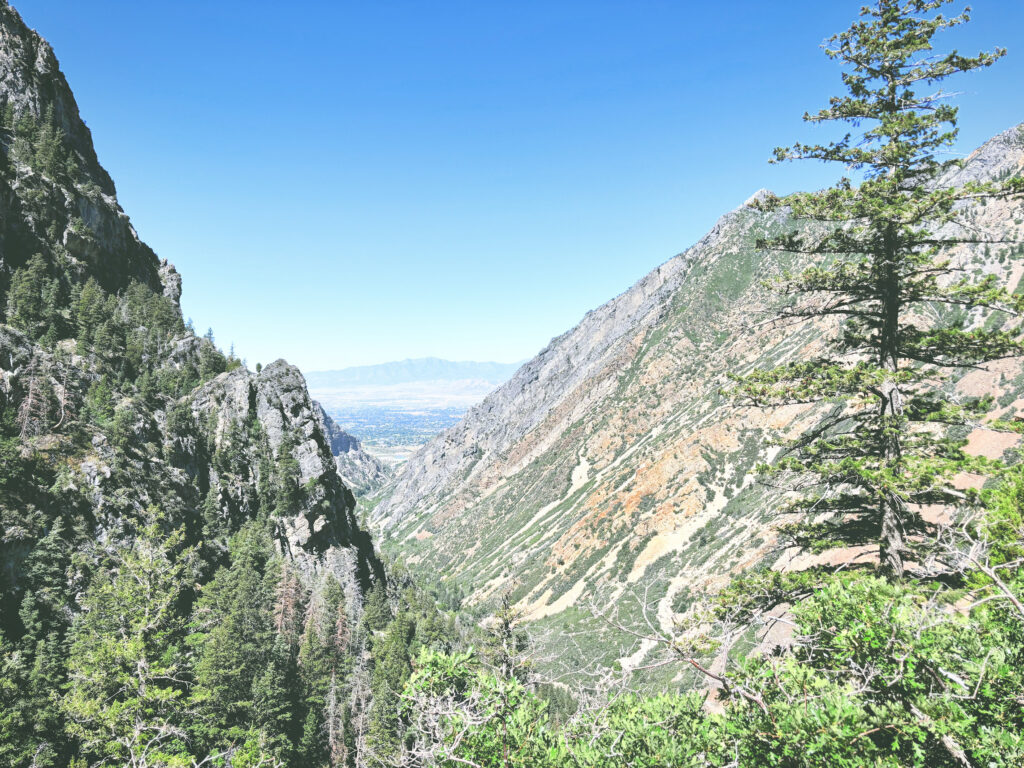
(182, 576)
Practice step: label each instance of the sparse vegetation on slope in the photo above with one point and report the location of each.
(618, 456)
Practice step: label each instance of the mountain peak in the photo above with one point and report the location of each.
(31, 83)
(757, 197)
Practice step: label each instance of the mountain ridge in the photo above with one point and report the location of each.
(90, 323)
(613, 461)
(361, 471)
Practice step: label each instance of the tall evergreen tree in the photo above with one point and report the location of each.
(881, 257)
(32, 302)
(89, 311)
(377, 611)
(391, 669)
(126, 667)
(44, 618)
(234, 637)
(323, 666)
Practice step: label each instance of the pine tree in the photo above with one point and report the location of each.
(276, 701)
(89, 312)
(44, 618)
(34, 410)
(391, 668)
(211, 361)
(126, 667)
(289, 606)
(377, 612)
(234, 637)
(32, 301)
(288, 478)
(881, 257)
(507, 642)
(18, 745)
(323, 666)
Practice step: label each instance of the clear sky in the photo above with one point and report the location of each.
(343, 183)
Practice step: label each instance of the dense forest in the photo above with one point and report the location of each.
(184, 581)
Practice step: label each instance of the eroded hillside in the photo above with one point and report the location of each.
(613, 463)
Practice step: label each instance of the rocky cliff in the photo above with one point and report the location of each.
(55, 197)
(111, 406)
(613, 462)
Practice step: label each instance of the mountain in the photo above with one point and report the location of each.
(167, 517)
(56, 198)
(107, 312)
(613, 464)
(426, 383)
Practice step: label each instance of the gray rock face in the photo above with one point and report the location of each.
(614, 457)
(325, 530)
(171, 281)
(997, 158)
(92, 232)
(61, 203)
(31, 81)
(593, 354)
(361, 472)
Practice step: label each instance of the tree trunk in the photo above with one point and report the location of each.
(890, 415)
(891, 547)
(891, 512)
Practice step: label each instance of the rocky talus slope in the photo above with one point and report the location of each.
(119, 408)
(613, 464)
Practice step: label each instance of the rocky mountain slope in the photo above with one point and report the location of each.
(613, 464)
(167, 517)
(115, 406)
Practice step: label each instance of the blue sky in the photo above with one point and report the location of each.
(344, 183)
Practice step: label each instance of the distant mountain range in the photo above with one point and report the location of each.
(411, 371)
(423, 384)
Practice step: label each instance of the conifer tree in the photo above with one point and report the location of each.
(391, 668)
(287, 479)
(880, 251)
(89, 312)
(507, 642)
(32, 672)
(45, 622)
(377, 611)
(126, 668)
(32, 301)
(275, 698)
(323, 664)
(234, 638)
(289, 606)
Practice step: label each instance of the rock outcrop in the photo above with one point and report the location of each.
(324, 530)
(54, 195)
(112, 387)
